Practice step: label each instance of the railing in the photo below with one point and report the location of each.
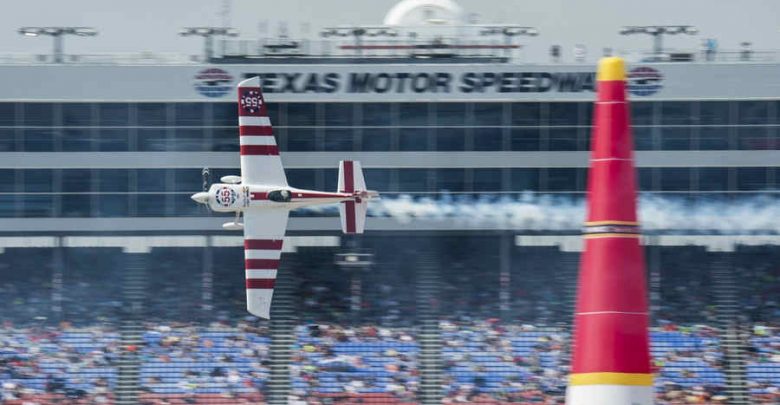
(130, 58)
(349, 48)
(346, 49)
(701, 56)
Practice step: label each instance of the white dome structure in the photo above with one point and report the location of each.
(415, 13)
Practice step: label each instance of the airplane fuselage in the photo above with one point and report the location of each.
(223, 197)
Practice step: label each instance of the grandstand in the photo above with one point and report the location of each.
(75, 332)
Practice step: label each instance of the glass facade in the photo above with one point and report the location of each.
(301, 127)
(371, 127)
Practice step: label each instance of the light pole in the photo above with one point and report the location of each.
(208, 34)
(57, 33)
(358, 33)
(657, 32)
(508, 31)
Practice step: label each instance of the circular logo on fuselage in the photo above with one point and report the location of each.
(226, 196)
(213, 82)
(644, 81)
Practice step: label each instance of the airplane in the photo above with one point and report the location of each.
(265, 199)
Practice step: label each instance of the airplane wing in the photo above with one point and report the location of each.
(260, 161)
(263, 237)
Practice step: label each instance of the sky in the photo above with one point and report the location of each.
(152, 25)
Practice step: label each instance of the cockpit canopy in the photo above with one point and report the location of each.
(280, 196)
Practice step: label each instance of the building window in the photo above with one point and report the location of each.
(113, 180)
(677, 113)
(153, 140)
(714, 113)
(40, 205)
(648, 177)
(114, 114)
(152, 114)
(76, 180)
(339, 114)
(75, 205)
(301, 140)
(224, 140)
(642, 113)
(450, 139)
(675, 138)
(753, 138)
(526, 114)
(675, 179)
(152, 205)
(376, 140)
(487, 180)
(525, 179)
(413, 114)
(414, 139)
(714, 138)
(752, 178)
(183, 206)
(77, 140)
(112, 140)
(189, 114)
(39, 114)
(450, 113)
(563, 179)
(77, 114)
(7, 114)
(7, 140)
(378, 179)
(8, 203)
(339, 139)
(488, 139)
(190, 140)
(224, 114)
(713, 178)
(644, 138)
(487, 114)
(302, 178)
(7, 180)
(526, 139)
(39, 140)
(452, 180)
(39, 181)
(753, 112)
(563, 113)
(115, 205)
(151, 180)
(412, 180)
(187, 180)
(301, 114)
(563, 139)
(376, 114)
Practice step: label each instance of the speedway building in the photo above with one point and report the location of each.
(99, 157)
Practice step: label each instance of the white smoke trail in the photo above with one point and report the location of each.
(545, 212)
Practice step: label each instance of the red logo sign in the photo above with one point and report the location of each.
(250, 101)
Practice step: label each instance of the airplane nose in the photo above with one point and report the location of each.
(202, 197)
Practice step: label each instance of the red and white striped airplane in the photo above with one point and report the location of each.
(265, 199)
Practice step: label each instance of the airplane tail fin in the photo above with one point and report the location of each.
(353, 212)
